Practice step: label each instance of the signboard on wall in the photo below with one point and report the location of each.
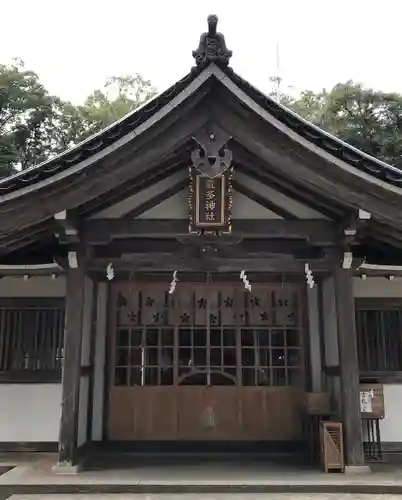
(372, 401)
(210, 202)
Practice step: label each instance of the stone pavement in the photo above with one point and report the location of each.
(34, 479)
(234, 496)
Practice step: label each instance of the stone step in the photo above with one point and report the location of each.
(233, 496)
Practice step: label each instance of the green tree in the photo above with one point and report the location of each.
(119, 96)
(35, 126)
(26, 113)
(368, 119)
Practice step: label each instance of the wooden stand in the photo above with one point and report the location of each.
(331, 438)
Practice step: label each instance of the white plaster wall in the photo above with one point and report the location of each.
(246, 208)
(40, 286)
(377, 287)
(176, 207)
(391, 425)
(30, 412)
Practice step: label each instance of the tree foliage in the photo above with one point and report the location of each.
(26, 114)
(367, 119)
(120, 95)
(35, 126)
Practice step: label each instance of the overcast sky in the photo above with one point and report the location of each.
(74, 45)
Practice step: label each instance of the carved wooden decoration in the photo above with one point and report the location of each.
(211, 156)
(210, 202)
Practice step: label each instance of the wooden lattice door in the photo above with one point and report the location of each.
(208, 362)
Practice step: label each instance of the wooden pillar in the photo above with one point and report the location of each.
(71, 367)
(349, 368)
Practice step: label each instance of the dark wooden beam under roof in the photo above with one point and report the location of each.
(248, 163)
(202, 277)
(389, 235)
(294, 160)
(137, 157)
(157, 199)
(24, 233)
(290, 189)
(246, 248)
(170, 166)
(168, 262)
(67, 227)
(264, 202)
(317, 232)
(25, 238)
(47, 269)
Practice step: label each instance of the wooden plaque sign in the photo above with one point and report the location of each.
(372, 401)
(210, 202)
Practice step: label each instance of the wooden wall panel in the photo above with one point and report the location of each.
(205, 413)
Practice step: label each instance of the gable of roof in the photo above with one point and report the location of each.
(127, 128)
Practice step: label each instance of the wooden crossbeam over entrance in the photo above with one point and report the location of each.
(319, 232)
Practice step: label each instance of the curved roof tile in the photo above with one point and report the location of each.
(115, 131)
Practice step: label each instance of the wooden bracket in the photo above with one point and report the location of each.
(353, 225)
(68, 229)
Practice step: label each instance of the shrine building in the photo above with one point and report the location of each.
(204, 275)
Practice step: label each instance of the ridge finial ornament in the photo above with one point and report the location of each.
(212, 47)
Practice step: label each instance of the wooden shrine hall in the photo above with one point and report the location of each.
(189, 277)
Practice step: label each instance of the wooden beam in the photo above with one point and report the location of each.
(169, 262)
(316, 232)
(145, 152)
(251, 165)
(245, 249)
(264, 202)
(353, 228)
(293, 159)
(71, 367)
(174, 164)
(67, 226)
(156, 200)
(349, 367)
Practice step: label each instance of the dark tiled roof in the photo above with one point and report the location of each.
(319, 137)
(96, 143)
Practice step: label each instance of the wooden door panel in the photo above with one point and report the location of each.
(199, 413)
(193, 421)
(208, 363)
(253, 414)
(121, 417)
(226, 410)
